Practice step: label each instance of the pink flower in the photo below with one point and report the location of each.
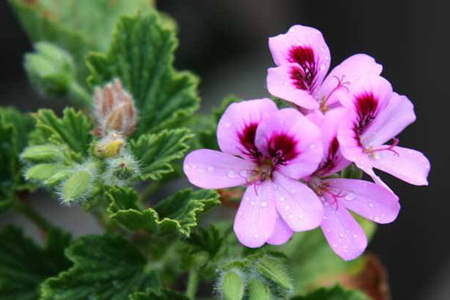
(376, 115)
(338, 195)
(268, 150)
(303, 60)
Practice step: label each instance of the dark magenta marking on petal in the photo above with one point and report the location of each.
(332, 158)
(282, 148)
(247, 139)
(366, 109)
(304, 76)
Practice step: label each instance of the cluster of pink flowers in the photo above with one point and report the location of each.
(288, 159)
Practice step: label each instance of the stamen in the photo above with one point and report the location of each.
(373, 151)
(340, 84)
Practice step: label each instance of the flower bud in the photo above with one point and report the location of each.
(59, 176)
(258, 290)
(79, 186)
(114, 110)
(232, 285)
(121, 170)
(110, 146)
(41, 172)
(50, 69)
(271, 269)
(42, 153)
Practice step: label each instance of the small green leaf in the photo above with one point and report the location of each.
(24, 266)
(73, 130)
(158, 295)
(177, 213)
(208, 240)
(105, 268)
(232, 285)
(141, 55)
(156, 151)
(334, 293)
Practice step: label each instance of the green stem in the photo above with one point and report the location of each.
(32, 215)
(192, 284)
(80, 95)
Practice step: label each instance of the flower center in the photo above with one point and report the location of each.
(341, 84)
(373, 152)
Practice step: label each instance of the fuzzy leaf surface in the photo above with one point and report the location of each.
(155, 152)
(175, 214)
(105, 268)
(24, 265)
(72, 130)
(333, 293)
(141, 55)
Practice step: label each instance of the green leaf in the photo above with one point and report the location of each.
(141, 55)
(177, 213)
(72, 130)
(333, 293)
(156, 151)
(24, 265)
(207, 240)
(75, 26)
(158, 295)
(105, 268)
(311, 251)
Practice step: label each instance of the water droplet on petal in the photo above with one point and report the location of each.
(210, 168)
(355, 236)
(342, 235)
(231, 174)
(227, 124)
(377, 219)
(193, 166)
(281, 199)
(291, 216)
(301, 217)
(264, 204)
(287, 207)
(244, 173)
(350, 197)
(335, 245)
(371, 204)
(256, 236)
(252, 203)
(312, 146)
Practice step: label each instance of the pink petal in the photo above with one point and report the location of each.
(211, 169)
(255, 220)
(281, 234)
(349, 71)
(343, 233)
(332, 161)
(233, 134)
(398, 114)
(296, 131)
(282, 83)
(366, 199)
(408, 165)
(297, 204)
(283, 48)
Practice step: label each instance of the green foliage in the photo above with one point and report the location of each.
(156, 151)
(158, 295)
(14, 130)
(311, 251)
(24, 265)
(333, 293)
(72, 130)
(175, 214)
(141, 55)
(105, 267)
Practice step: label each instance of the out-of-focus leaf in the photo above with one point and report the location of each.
(334, 293)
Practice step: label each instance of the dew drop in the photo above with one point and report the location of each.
(256, 236)
(287, 207)
(377, 219)
(291, 216)
(350, 197)
(193, 166)
(371, 204)
(341, 235)
(231, 174)
(322, 67)
(243, 174)
(210, 168)
(301, 217)
(264, 204)
(281, 199)
(293, 191)
(312, 146)
(186, 167)
(252, 203)
(345, 249)
(328, 230)
(355, 236)
(227, 124)
(335, 245)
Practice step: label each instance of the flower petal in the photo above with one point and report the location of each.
(255, 220)
(301, 45)
(406, 164)
(345, 74)
(366, 199)
(284, 82)
(398, 114)
(288, 134)
(343, 233)
(237, 127)
(297, 204)
(281, 234)
(211, 169)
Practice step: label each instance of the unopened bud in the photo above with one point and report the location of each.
(50, 69)
(271, 269)
(42, 153)
(232, 285)
(121, 170)
(110, 146)
(59, 176)
(114, 109)
(258, 290)
(79, 186)
(41, 172)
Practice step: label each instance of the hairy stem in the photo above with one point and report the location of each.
(192, 284)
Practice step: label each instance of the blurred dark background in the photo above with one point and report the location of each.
(225, 42)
